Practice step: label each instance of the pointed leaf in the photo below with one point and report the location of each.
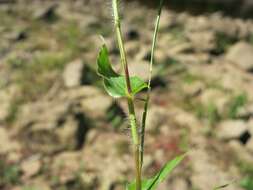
(116, 86)
(164, 172)
(151, 184)
(137, 84)
(104, 66)
(144, 184)
(247, 183)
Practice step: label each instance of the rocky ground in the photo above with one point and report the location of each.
(59, 130)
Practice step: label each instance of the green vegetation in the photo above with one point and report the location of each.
(223, 42)
(247, 183)
(247, 170)
(30, 188)
(177, 32)
(236, 103)
(191, 78)
(250, 39)
(184, 140)
(126, 86)
(32, 75)
(13, 111)
(9, 174)
(209, 112)
(71, 36)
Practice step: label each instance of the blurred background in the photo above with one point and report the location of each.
(59, 130)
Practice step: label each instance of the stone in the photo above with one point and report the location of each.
(161, 56)
(202, 41)
(250, 123)
(132, 48)
(140, 68)
(73, 73)
(180, 184)
(5, 105)
(14, 156)
(194, 89)
(18, 35)
(71, 132)
(166, 21)
(66, 165)
(34, 184)
(231, 129)
(6, 97)
(249, 145)
(97, 105)
(205, 172)
(215, 97)
(155, 118)
(246, 111)
(180, 48)
(223, 25)
(30, 168)
(240, 152)
(105, 145)
(51, 125)
(7, 145)
(241, 54)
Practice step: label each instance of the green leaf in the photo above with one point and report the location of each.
(247, 183)
(116, 86)
(104, 66)
(164, 172)
(144, 185)
(137, 84)
(151, 184)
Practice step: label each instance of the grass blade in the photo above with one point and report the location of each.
(144, 115)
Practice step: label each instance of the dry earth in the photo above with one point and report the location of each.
(59, 130)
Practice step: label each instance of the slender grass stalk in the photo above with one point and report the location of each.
(121, 44)
(152, 60)
(130, 99)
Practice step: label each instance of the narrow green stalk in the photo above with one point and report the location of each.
(135, 136)
(152, 60)
(132, 115)
(121, 44)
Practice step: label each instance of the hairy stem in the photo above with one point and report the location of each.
(135, 136)
(130, 100)
(152, 60)
(121, 44)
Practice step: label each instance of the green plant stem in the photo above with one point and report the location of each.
(135, 136)
(130, 100)
(152, 60)
(121, 44)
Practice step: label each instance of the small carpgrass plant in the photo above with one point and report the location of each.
(126, 86)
